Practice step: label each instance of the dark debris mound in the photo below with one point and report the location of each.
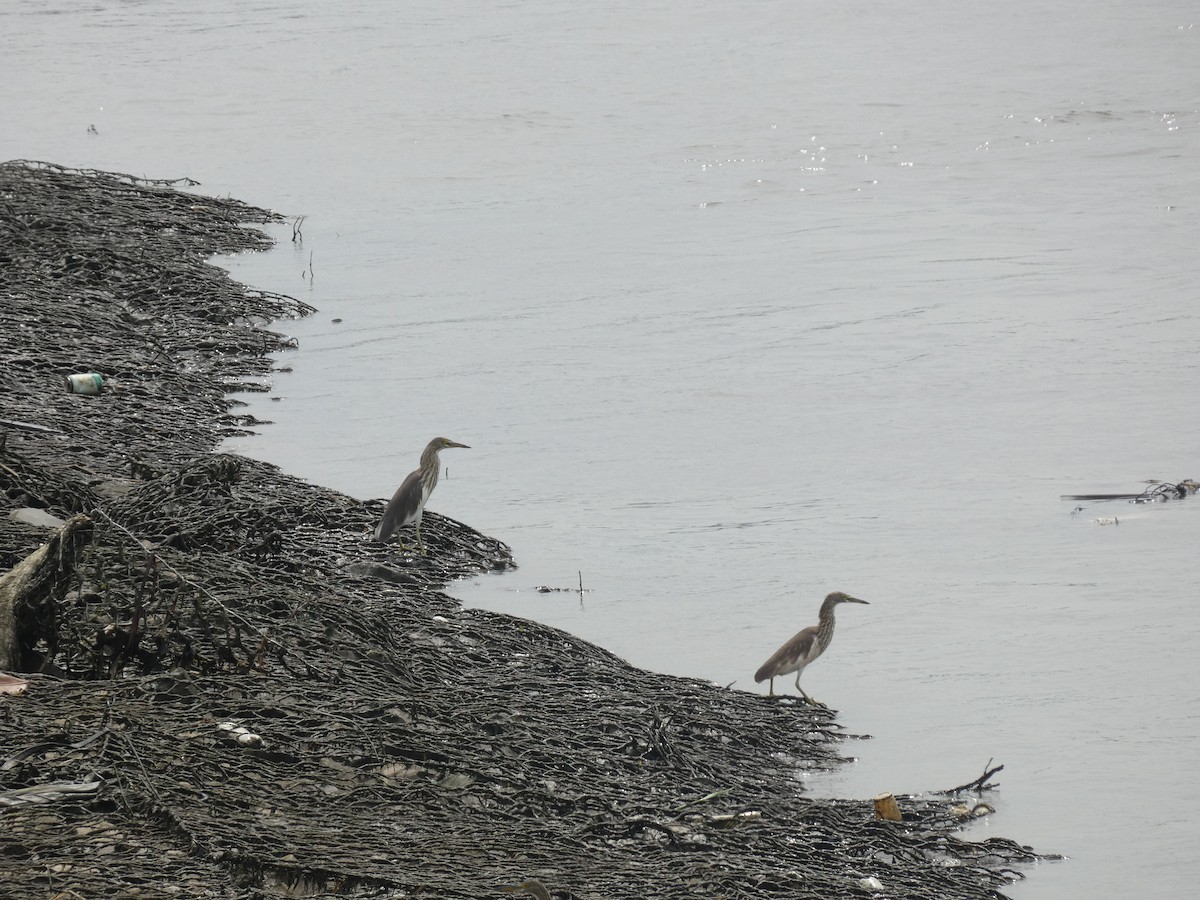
(107, 273)
(255, 700)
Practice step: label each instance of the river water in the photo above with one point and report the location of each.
(738, 304)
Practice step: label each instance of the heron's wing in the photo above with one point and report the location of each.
(787, 657)
(402, 508)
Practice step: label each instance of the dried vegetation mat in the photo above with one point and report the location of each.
(221, 688)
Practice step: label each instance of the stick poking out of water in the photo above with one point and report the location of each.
(979, 784)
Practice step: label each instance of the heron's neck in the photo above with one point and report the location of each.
(430, 465)
(825, 624)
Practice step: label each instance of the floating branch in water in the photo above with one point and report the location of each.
(1157, 492)
(979, 784)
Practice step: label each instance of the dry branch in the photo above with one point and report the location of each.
(29, 592)
(979, 784)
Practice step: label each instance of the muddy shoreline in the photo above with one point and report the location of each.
(262, 703)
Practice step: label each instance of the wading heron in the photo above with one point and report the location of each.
(408, 503)
(806, 646)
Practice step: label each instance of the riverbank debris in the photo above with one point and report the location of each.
(87, 383)
(979, 784)
(887, 808)
(31, 593)
(1155, 492)
(410, 747)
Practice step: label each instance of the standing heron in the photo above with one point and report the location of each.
(408, 503)
(806, 646)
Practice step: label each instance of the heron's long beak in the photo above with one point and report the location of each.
(856, 600)
(457, 444)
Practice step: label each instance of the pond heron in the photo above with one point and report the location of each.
(408, 503)
(806, 646)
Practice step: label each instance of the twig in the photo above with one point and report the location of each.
(138, 759)
(979, 784)
(721, 792)
(28, 426)
(182, 577)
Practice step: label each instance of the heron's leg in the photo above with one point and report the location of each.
(771, 689)
(420, 543)
(809, 699)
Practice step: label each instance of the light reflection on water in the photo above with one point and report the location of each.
(734, 311)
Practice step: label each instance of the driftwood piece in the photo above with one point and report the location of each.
(887, 808)
(979, 784)
(48, 793)
(28, 592)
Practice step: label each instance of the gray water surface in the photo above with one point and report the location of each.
(737, 305)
